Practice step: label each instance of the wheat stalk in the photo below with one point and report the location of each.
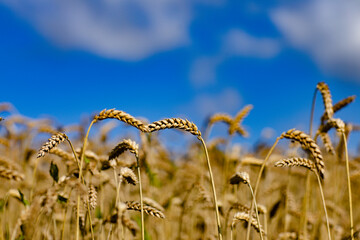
(303, 162)
(243, 177)
(193, 129)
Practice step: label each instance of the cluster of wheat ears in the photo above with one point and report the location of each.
(89, 187)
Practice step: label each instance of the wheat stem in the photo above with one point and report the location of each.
(349, 187)
(141, 200)
(257, 185)
(256, 209)
(324, 205)
(213, 187)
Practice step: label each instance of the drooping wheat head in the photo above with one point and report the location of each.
(308, 144)
(122, 116)
(178, 123)
(52, 143)
(136, 206)
(296, 161)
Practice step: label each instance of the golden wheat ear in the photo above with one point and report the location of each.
(123, 146)
(327, 100)
(122, 116)
(235, 124)
(301, 162)
(11, 174)
(308, 144)
(338, 106)
(52, 143)
(178, 123)
(245, 217)
(136, 206)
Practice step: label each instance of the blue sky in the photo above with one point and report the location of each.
(180, 58)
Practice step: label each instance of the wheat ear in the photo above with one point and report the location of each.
(245, 217)
(122, 116)
(307, 143)
(178, 123)
(126, 144)
(235, 124)
(338, 106)
(326, 96)
(217, 117)
(11, 174)
(295, 161)
(52, 143)
(327, 142)
(136, 206)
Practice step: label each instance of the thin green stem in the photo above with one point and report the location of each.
(257, 185)
(213, 188)
(349, 187)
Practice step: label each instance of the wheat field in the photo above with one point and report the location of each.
(79, 184)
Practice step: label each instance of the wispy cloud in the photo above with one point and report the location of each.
(227, 100)
(329, 31)
(127, 29)
(238, 43)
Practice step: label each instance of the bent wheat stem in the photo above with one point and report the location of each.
(213, 187)
(324, 205)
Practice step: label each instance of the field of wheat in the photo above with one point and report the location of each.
(80, 185)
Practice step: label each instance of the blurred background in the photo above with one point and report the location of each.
(177, 58)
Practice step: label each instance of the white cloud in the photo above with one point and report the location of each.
(228, 100)
(203, 71)
(327, 30)
(122, 29)
(235, 43)
(240, 43)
